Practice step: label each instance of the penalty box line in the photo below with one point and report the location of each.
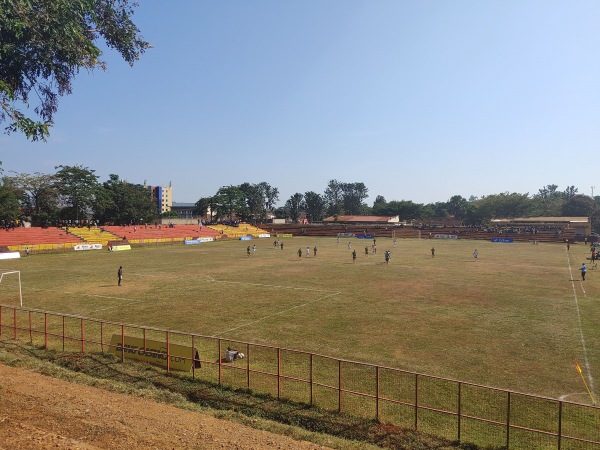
(581, 337)
(278, 313)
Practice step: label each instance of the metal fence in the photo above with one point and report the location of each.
(455, 410)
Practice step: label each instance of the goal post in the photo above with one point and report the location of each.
(4, 272)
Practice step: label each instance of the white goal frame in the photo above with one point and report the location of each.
(9, 272)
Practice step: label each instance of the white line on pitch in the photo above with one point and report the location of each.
(581, 337)
(276, 314)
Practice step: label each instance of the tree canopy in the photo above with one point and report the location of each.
(43, 46)
(73, 192)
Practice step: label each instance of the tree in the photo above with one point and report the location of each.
(270, 195)
(39, 196)
(255, 202)
(77, 186)
(457, 207)
(203, 206)
(314, 205)
(353, 196)
(9, 205)
(230, 201)
(44, 44)
(124, 203)
(293, 205)
(548, 201)
(379, 200)
(334, 198)
(570, 192)
(500, 205)
(579, 206)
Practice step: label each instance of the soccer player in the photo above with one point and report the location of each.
(433, 252)
(353, 256)
(120, 275)
(583, 271)
(308, 252)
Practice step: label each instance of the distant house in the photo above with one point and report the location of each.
(382, 220)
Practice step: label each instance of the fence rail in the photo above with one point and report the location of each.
(456, 410)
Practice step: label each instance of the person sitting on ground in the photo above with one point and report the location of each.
(230, 354)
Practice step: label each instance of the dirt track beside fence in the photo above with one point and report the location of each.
(40, 412)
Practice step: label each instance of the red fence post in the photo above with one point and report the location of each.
(168, 354)
(193, 360)
(508, 420)
(339, 385)
(82, 335)
(377, 393)
(278, 373)
(220, 363)
(560, 408)
(459, 410)
(416, 401)
(310, 368)
(248, 365)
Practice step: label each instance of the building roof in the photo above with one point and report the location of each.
(363, 219)
(543, 220)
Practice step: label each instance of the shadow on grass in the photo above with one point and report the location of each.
(172, 388)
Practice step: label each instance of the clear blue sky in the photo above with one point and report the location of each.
(420, 100)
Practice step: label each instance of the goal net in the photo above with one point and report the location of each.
(10, 286)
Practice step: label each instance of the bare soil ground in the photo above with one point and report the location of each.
(40, 412)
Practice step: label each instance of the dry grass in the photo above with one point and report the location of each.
(509, 320)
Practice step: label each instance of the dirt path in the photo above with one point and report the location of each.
(39, 412)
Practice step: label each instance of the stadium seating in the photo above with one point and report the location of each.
(36, 238)
(93, 235)
(160, 233)
(243, 229)
(462, 232)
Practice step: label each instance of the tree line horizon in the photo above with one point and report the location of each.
(74, 193)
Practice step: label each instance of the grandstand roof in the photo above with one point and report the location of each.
(543, 220)
(363, 219)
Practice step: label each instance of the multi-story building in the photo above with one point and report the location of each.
(162, 196)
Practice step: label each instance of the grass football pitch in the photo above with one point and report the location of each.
(516, 318)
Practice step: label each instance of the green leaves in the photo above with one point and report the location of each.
(44, 44)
